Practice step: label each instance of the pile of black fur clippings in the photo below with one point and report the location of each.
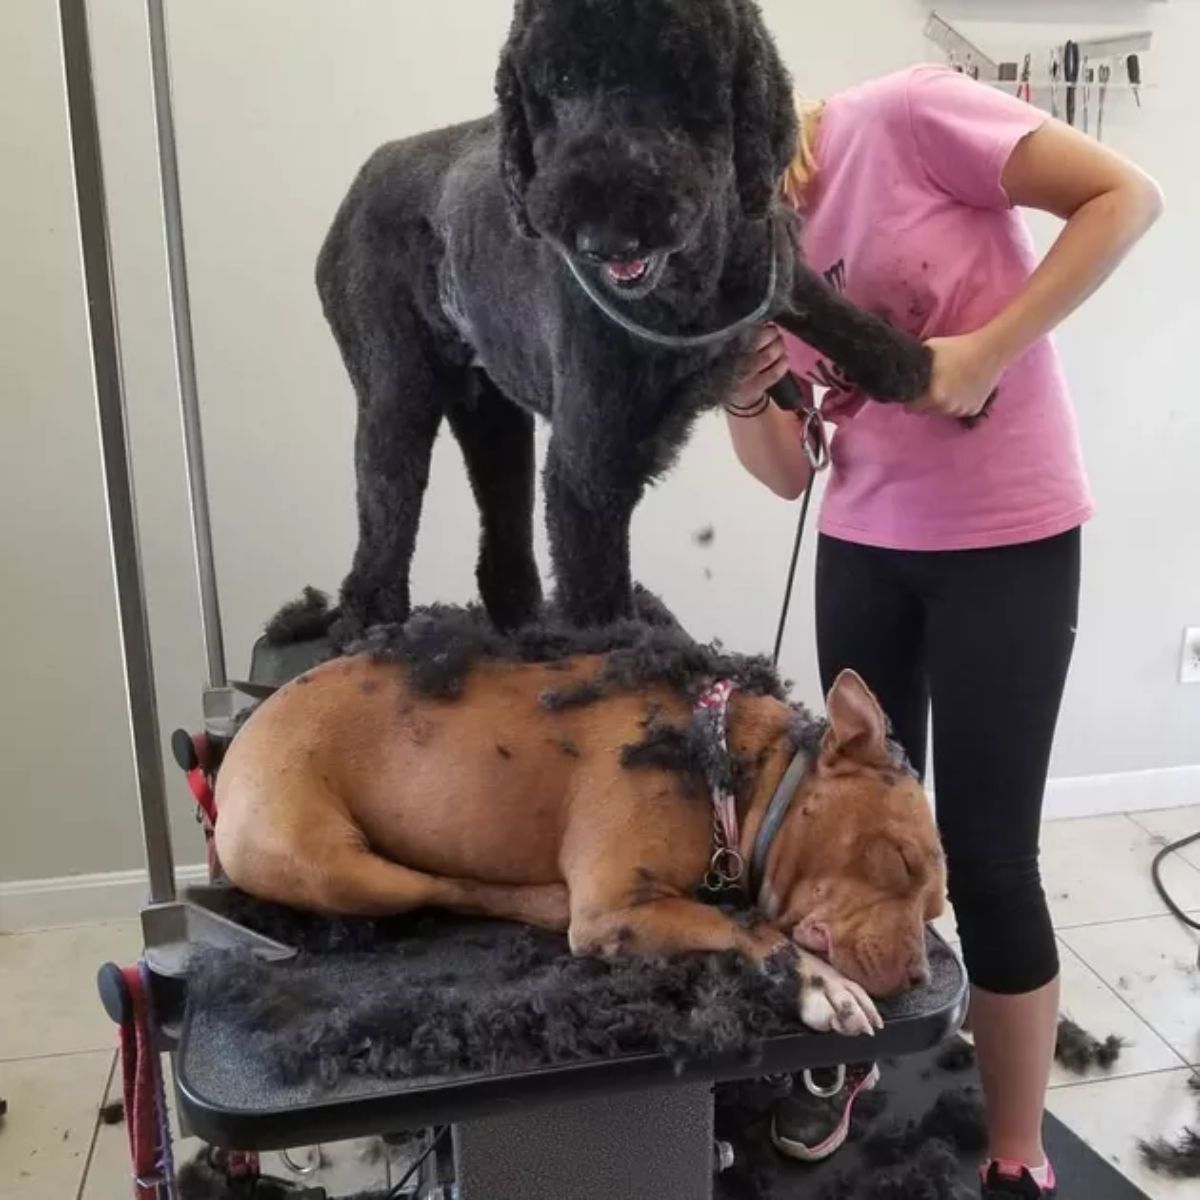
(1079, 1051)
(440, 643)
(919, 1160)
(429, 994)
(896, 1160)
(1177, 1157)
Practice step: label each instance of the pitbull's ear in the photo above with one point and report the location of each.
(516, 143)
(857, 725)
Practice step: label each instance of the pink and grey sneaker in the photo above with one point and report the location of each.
(1001, 1178)
(810, 1125)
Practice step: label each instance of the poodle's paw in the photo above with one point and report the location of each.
(896, 369)
(831, 1003)
(363, 606)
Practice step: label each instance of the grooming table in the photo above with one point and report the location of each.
(228, 1098)
(630, 1127)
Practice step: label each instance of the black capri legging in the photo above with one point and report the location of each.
(987, 636)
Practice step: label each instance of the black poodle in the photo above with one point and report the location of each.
(596, 252)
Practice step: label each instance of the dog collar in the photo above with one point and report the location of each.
(777, 811)
(727, 868)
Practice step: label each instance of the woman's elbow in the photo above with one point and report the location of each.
(1146, 198)
(1156, 202)
(788, 489)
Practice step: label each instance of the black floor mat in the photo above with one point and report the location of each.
(912, 1085)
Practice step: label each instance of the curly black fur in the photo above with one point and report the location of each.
(624, 129)
(391, 1010)
(931, 1174)
(956, 1119)
(302, 620)
(663, 745)
(1178, 1158)
(957, 1055)
(575, 695)
(917, 1160)
(1079, 1051)
(442, 643)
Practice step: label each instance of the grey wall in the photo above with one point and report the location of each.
(278, 103)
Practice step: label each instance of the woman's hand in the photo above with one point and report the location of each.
(760, 369)
(965, 372)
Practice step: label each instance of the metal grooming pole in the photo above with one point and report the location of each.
(170, 927)
(185, 356)
(109, 384)
(219, 699)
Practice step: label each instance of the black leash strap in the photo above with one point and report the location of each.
(677, 341)
(791, 579)
(816, 448)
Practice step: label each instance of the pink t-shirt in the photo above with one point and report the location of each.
(908, 217)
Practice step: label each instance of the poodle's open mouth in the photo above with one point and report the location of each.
(634, 278)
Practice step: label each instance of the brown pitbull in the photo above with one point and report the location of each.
(349, 793)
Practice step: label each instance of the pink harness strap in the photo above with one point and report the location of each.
(727, 868)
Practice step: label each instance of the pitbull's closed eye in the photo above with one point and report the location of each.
(893, 866)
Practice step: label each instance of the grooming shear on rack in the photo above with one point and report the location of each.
(1070, 65)
(1105, 76)
(1133, 68)
(1024, 88)
(1055, 67)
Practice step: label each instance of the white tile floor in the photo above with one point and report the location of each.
(1127, 969)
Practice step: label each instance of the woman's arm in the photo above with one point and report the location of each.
(1107, 203)
(769, 442)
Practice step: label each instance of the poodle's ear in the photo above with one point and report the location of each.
(764, 114)
(516, 144)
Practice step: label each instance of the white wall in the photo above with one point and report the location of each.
(64, 760)
(278, 102)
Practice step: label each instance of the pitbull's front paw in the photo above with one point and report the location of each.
(829, 1002)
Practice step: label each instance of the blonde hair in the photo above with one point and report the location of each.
(803, 169)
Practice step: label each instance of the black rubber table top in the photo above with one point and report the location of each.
(231, 1099)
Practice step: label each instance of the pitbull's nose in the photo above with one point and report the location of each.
(605, 245)
(918, 974)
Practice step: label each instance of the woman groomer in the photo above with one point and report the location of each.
(949, 557)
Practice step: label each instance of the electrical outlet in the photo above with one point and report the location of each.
(1189, 663)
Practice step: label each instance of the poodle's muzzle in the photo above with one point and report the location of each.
(620, 203)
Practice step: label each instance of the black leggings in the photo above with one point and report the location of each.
(987, 636)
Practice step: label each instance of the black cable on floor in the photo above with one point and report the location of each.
(1161, 888)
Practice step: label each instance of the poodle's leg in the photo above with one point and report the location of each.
(401, 399)
(589, 544)
(497, 443)
(888, 365)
